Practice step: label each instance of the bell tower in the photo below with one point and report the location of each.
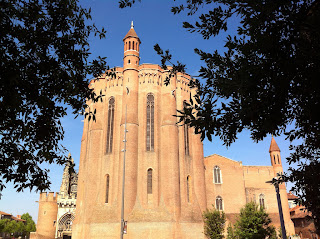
(275, 157)
(131, 49)
(129, 116)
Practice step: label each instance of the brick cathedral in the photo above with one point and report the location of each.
(168, 182)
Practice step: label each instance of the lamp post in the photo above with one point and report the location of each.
(276, 182)
(122, 224)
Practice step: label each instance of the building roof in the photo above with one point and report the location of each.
(12, 217)
(299, 212)
(291, 196)
(4, 213)
(17, 219)
(273, 146)
(132, 33)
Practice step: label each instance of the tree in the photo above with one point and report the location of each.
(44, 65)
(253, 223)
(230, 232)
(214, 221)
(266, 81)
(30, 225)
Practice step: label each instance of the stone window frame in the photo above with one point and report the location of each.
(217, 175)
(186, 134)
(219, 203)
(262, 200)
(107, 188)
(149, 180)
(150, 122)
(189, 189)
(110, 125)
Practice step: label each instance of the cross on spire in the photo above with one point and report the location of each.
(131, 24)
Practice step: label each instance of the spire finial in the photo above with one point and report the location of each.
(131, 24)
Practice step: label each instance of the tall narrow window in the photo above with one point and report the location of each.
(129, 45)
(149, 181)
(261, 201)
(150, 123)
(217, 175)
(188, 189)
(110, 125)
(219, 203)
(186, 134)
(107, 188)
(278, 158)
(274, 159)
(133, 45)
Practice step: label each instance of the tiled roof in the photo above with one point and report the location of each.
(291, 196)
(273, 145)
(17, 219)
(12, 217)
(131, 33)
(4, 213)
(299, 212)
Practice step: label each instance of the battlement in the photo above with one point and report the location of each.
(48, 197)
(62, 196)
(67, 200)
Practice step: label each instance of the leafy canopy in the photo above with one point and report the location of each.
(18, 227)
(214, 222)
(267, 80)
(253, 223)
(44, 65)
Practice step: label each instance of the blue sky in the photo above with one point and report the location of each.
(154, 23)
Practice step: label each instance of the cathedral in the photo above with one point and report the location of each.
(168, 182)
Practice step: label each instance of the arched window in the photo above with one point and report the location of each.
(274, 159)
(188, 189)
(219, 203)
(278, 158)
(186, 134)
(137, 46)
(150, 123)
(217, 175)
(129, 45)
(107, 188)
(149, 181)
(110, 125)
(133, 45)
(261, 201)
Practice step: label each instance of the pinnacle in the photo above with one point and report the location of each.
(273, 146)
(131, 33)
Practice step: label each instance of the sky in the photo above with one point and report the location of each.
(154, 23)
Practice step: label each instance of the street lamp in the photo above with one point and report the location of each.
(276, 182)
(123, 223)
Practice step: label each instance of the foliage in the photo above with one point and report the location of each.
(214, 221)
(230, 232)
(267, 80)
(253, 223)
(30, 225)
(44, 65)
(18, 227)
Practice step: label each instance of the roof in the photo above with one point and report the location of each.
(299, 212)
(273, 146)
(12, 217)
(4, 213)
(132, 33)
(17, 219)
(291, 196)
